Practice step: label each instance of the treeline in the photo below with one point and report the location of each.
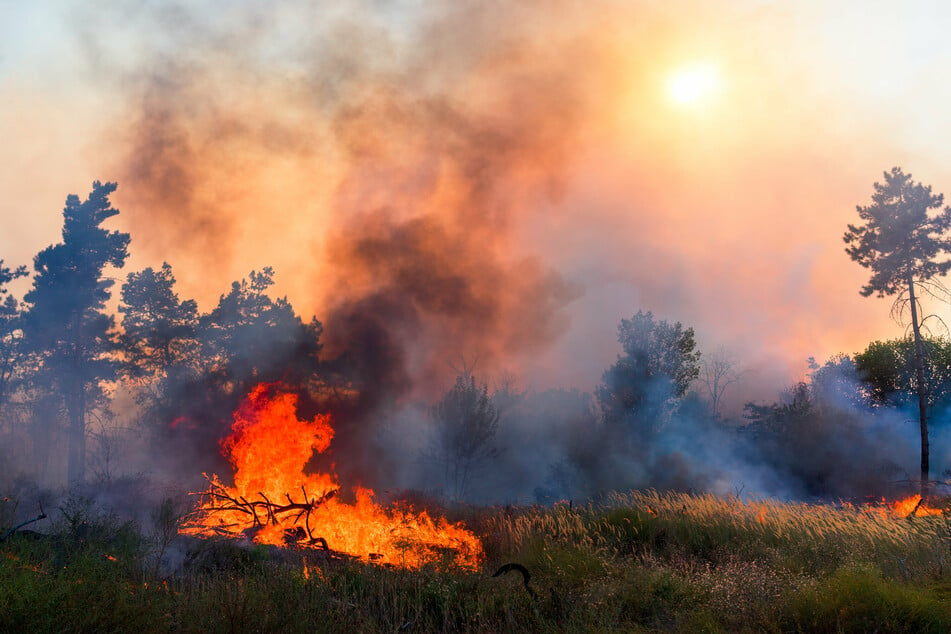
(855, 426)
(65, 360)
(847, 430)
(87, 394)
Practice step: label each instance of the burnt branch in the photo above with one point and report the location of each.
(917, 506)
(261, 510)
(526, 577)
(41, 516)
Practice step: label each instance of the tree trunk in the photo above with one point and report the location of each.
(76, 404)
(76, 435)
(922, 396)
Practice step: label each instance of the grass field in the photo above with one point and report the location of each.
(640, 561)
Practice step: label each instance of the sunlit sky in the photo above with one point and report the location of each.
(249, 134)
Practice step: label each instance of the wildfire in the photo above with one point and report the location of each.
(279, 504)
(913, 504)
(909, 506)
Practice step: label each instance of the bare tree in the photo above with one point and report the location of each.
(717, 373)
(507, 393)
(465, 421)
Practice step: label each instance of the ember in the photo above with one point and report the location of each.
(276, 502)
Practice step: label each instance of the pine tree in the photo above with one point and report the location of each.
(160, 343)
(66, 323)
(902, 241)
(466, 422)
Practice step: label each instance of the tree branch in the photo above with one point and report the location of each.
(220, 500)
(41, 516)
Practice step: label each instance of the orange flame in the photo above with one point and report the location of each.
(913, 504)
(269, 447)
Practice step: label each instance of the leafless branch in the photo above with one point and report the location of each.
(219, 500)
(41, 516)
(934, 289)
(526, 577)
(467, 369)
(717, 373)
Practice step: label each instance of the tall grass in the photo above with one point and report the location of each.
(639, 561)
(747, 563)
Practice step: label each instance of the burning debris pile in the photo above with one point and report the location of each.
(275, 502)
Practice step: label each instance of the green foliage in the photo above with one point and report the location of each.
(905, 245)
(69, 290)
(11, 333)
(785, 418)
(860, 600)
(159, 330)
(160, 349)
(901, 239)
(888, 369)
(66, 325)
(660, 361)
(249, 337)
(188, 372)
(802, 436)
(882, 367)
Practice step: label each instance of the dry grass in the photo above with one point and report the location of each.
(639, 561)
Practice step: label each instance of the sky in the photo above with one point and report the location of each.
(524, 172)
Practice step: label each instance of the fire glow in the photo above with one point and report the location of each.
(274, 501)
(912, 505)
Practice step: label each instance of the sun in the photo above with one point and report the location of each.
(693, 84)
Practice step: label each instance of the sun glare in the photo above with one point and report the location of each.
(694, 84)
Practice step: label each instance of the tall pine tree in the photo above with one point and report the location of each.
(66, 324)
(904, 242)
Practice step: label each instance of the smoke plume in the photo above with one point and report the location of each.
(487, 185)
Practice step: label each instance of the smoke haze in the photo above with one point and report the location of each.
(533, 145)
(490, 183)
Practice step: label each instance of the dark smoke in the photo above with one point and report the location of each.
(165, 172)
(427, 285)
(437, 155)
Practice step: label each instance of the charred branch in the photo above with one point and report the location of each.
(41, 516)
(526, 577)
(917, 506)
(262, 511)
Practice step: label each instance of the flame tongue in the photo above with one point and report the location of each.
(269, 447)
(913, 504)
(909, 506)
